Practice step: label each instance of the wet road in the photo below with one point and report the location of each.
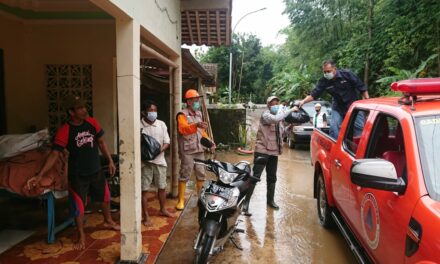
(289, 235)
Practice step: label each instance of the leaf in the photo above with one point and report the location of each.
(422, 66)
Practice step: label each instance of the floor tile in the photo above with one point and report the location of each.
(102, 245)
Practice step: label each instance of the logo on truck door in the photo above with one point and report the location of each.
(370, 220)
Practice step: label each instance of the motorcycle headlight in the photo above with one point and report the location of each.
(226, 177)
(233, 198)
(227, 199)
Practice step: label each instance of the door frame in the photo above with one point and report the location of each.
(2, 95)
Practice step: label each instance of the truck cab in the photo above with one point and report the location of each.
(379, 181)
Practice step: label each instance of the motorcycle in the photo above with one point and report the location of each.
(219, 204)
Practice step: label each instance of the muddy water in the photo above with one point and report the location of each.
(289, 235)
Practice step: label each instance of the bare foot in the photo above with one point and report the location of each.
(80, 244)
(112, 225)
(165, 212)
(147, 223)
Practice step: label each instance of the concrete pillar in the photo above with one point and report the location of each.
(128, 80)
(176, 95)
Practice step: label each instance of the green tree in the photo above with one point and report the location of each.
(292, 84)
(252, 67)
(369, 37)
(401, 74)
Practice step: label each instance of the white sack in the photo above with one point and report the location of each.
(12, 145)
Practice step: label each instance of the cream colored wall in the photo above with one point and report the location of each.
(162, 27)
(30, 46)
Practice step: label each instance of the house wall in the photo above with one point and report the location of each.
(28, 47)
(159, 20)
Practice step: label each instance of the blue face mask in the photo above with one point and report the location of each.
(152, 116)
(274, 109)
(196, 106)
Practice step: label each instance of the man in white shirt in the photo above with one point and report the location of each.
(157, 168)
(320, 118)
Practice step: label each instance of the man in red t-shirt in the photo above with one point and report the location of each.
(82, 136)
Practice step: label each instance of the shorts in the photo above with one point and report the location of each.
(187, 165)
(95, 185)
(152, 171)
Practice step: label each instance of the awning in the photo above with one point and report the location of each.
(206, 22)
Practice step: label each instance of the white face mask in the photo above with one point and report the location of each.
(152, 116)
(329, 75)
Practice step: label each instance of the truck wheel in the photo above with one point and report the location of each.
(291, 143)
(324, 210)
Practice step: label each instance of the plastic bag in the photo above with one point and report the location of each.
(206, 143)
(12, 145)
(300, 116)
(150, 147)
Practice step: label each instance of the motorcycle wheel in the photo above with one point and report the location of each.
(203, 249)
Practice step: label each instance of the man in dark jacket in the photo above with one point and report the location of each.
(344, 86)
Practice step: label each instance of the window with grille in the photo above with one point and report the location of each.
(64, 80)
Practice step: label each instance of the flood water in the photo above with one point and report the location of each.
(289, 235)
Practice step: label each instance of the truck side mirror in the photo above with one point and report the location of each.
(377, 174)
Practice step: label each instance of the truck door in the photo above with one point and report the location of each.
(343, 158)
(381, 217)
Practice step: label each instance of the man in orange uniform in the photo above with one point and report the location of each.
(191, 128)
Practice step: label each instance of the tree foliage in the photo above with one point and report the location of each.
(380, 40)
(252, 67)
(374, 38)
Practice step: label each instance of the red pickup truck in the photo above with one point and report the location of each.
(379, 181)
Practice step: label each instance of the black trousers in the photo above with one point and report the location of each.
(262, 161)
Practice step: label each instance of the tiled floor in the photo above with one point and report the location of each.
(102, 245)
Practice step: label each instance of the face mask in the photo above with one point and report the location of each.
(274, 109)
(152, 116)
(329, 75)
(196, 106)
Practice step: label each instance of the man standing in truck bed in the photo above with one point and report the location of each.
(344, 86)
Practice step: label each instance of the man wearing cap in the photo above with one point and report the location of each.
(191, 129)
(344, 86)
(82, 136)
(320, 118)
(268, 147)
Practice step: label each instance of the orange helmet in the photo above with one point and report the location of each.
(191, 93)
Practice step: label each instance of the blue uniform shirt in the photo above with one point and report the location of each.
(344, 89)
